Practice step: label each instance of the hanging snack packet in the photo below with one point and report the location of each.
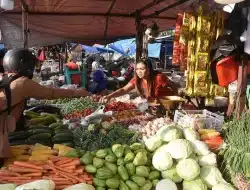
(201, 62)
(200, 83)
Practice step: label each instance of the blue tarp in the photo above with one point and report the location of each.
(94, 49)
(1, 46)
(123, 46)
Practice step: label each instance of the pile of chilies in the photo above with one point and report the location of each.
(63, 171)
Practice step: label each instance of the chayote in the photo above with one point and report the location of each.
(113, 183)
(87, 158)
(111, 166)
(118, 150)
(138, 180)
(129, 157)
(98, 162)
(123, 173)
(130, 168)
(140, 159)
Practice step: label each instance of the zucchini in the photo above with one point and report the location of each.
(62, 137)
(39, 131)
(55, 125)
(20, 136)
(41, 136)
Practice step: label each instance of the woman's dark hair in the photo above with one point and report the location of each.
(150, 78)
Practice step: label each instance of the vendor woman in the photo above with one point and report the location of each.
(148, 83)
(20, 65)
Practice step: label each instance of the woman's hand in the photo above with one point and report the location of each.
(104, 99)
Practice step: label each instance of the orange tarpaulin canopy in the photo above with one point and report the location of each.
(85, 20)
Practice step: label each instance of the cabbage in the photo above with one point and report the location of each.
(8, 186)
(153, 143)
(192, 156)
(162, 160)
(180, 148)
(188, 169)
(166, 184)
(80, 186)
(223, 186)
(39, 184)
(200, 148)
(170, 133)
(191, 134)
(196, 184)
(211, 175)
(208, 160)
(171, 174)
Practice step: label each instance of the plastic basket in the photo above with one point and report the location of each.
(206, 119)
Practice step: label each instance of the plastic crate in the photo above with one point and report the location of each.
(207, 119)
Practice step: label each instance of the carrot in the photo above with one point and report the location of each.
(23, 170)
(3, 182)
(59, 168)
(61, 162)
(65, 182)
(60, 187)
(73, 167)
(27, 165)
(90, 182)
(8, 173)
(33, 174)
(79, 171)
(16, 178)
(56, 178)
(74, 163)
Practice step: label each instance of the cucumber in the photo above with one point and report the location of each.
(63, 131)
(38, 127)
(20, 136)
(17, 133)
(41, 136)
(61, 127)
(39, 131)
(19, 142)
(55, 125)
(62, 137)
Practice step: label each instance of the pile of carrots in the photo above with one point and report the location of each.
(63, 171)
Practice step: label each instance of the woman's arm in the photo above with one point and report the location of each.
(122, 91)
(32, 89)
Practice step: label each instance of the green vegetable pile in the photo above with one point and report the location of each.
(122, 167)
(96, 137)
(72, 104)
(237, 151)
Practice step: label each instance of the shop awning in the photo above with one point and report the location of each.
(85, 21)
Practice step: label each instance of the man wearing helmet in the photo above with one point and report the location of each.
(20, 64)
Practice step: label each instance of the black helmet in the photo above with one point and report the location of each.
(20, 61)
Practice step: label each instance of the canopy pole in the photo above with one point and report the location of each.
(242, 86)
(25, 29)
(139, 37)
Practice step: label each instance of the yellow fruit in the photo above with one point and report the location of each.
(206, 131)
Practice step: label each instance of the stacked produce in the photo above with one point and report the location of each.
(181, 157)
(122, 167)
(45, 184)
(150, 128)
(212, 138)
(78, 114)
(128, 117)
(119, 106)
(63, 171)
(237, 150)
(47, 135)
(98, 136)
(37, 152)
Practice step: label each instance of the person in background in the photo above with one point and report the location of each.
(99, 82)
(89, 62)
(148, 83)
(20, 65)
(2, 53)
